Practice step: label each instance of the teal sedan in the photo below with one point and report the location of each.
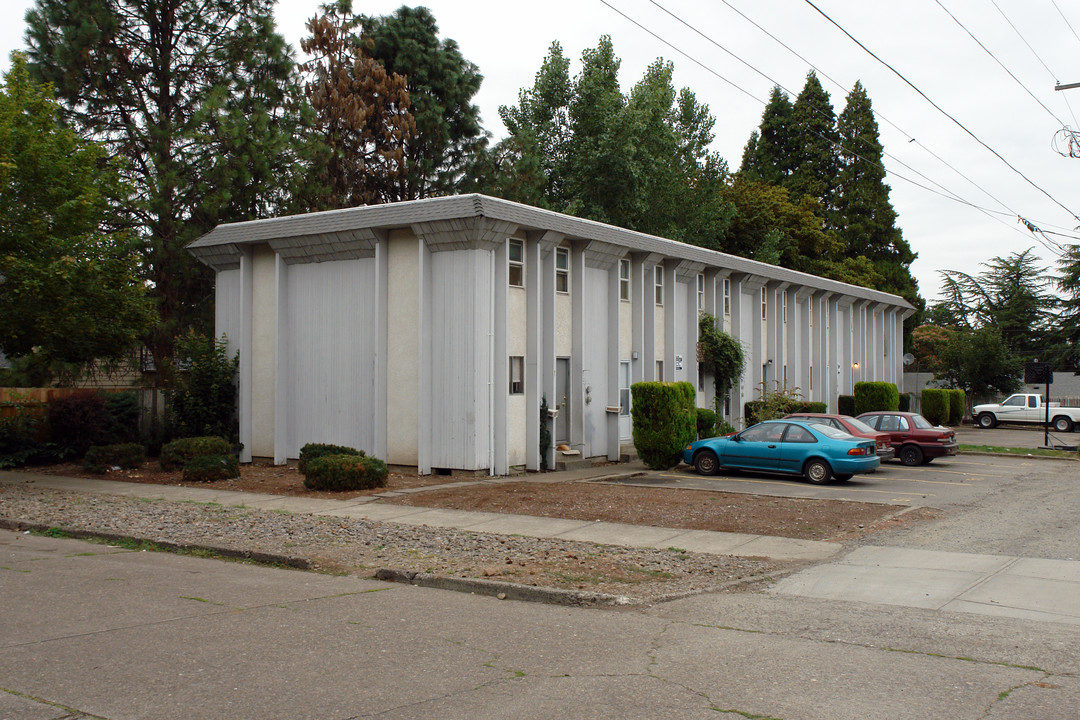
(817, 452)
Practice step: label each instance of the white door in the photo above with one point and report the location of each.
(626, 428)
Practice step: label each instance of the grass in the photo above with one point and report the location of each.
(1017, 451)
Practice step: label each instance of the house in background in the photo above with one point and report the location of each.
(429, 332)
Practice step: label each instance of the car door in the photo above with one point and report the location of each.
(756, 448)
(799, 443)
(1013, 409)
(897, 427)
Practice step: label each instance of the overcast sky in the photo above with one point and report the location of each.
(732, 65)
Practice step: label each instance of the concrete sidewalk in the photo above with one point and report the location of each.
(370, 507)
(997, 585)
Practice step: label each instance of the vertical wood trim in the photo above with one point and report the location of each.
(244, 400)
(281, 361)
(547, 344)
(425, 367)
(534, 386)
(500, 360)
(670, 319)
(577, 351)
(612, 363)
(639, 334)
(382, 274)
(738, 392)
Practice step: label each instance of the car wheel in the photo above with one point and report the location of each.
(1063, 424)
(911, 455)
(987, 420)
(843, 478)
(706, 463)
(817, 471)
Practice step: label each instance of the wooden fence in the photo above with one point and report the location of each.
(19, 401)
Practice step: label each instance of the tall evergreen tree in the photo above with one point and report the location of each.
(441, 84)
(814, 150)
(361, 113)
(864, 214)
(1067, 335)
(770, 155)
(175, 86)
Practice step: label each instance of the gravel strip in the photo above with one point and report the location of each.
(364, 546)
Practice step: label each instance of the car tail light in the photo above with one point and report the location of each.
(857, 451)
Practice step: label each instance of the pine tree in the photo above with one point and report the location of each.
(769, 157)
(361, 113)
(814, 150)
(441, 84)
(864, 214)
(190, 94)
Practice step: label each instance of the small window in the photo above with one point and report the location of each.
(701, 291)
(624, 388)
(902, 424)
(701, 377)
(764, 305)
(517, 263)
(1014, 401)
(660, 371)
(517, 375)
(562, 270)
(785, 308)
(1031, 401)
(658, 272)
(798, 434)
(624, 279)
(727, 296)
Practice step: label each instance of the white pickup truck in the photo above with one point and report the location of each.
(1025, 408)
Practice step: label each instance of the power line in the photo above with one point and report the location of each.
(998, 61)
(941, 110)
(945, 192)
(1022, 38)
(1067, 23)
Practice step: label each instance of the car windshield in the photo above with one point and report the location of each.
(921, 422)
(830, 432)
(859, 425)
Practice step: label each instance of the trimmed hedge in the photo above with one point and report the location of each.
(77, 421)
(957, 406)
(100, 458)
(665, 421)
(905, 402)
(706, 423)
(935, 405)
(875, 396)
(754, 411)
(310, 451)
(845, 404)
(208, 468)
(176, 454)
(345, 472)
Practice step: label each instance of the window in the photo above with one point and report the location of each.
(517, 263)
(701, 291)
(624, 388)
(659, 371)
(1014, 401)
(764, 305)
(517, 375)
(798, 434)
(701, 377)
(1031, 401)
(727, 296)
(562, 270)
(658, 272)
(624, 279)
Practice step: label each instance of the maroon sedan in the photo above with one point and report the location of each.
(915, 440)
(852, 426)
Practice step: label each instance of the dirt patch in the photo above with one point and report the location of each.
(267, 479)
(675, 508)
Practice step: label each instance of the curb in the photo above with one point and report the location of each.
(505, 590)
(1074, 458)
(263, 558)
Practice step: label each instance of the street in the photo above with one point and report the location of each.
(90, 631)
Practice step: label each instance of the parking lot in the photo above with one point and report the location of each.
(945, 482)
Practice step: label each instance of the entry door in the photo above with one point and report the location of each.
(562, 393)
(626, 428)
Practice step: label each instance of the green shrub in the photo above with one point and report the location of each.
(875, 396)
(805, 406)
(209, 468)
(77, 421)
(664, 421)
(706, 423)
(935, 405)
(905, 402)
(311, 451)
(100, 458)
(845, 404)
(345, 472)
(21, 433)
(957, 406)
(724, 428)
(123, 410)
(176, 454)
(202, 398)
